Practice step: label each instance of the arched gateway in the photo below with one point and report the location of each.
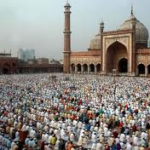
(117, 58)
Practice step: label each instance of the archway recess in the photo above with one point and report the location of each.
(5, 71)
(85, 68)
(73, 68)
(115, 53)
(98, 68)
(123, 65)
(78, 67)
(148, 68)
(141, 69)
(92, 69)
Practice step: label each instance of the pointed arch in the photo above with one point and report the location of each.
(73, 68)
(98, 68)
(78, 67)
(115, 52)
(148, 69)
(92, 67)
(85, 68)
(141, 69)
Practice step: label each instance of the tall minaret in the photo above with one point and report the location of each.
(133, 68)
(67, 39)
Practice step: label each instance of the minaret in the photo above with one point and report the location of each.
(133, 70)
(67, 39)
(101, 34)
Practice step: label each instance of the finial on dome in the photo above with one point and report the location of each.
(132, 17)
(67, 4)
(132, 10)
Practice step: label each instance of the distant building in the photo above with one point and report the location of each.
(53, 61)
(61, 61)
(32, 61)
(26, 54)
(8, 64)
(40, 68)
(42, 61)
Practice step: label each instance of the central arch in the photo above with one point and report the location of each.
(123, 65)
(114, 55)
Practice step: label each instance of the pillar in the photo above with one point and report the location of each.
(137, 71)
(71, 71)
(95, 69)
(81, 68)
(146, 71)
(67, 39)
(88, 69)
(75, 68)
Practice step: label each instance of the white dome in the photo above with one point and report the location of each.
(142, 34)
(96, 42)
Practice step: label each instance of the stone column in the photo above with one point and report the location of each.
(88, 69)
(137, 72)
(95, 69)
(71, 71)
(146, 71)
(75, 68)
(81, 68)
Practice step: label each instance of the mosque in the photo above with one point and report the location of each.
(124, 50)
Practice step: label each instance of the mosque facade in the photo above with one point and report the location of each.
(124, 50)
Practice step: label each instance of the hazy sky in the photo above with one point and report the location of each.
(39, 24)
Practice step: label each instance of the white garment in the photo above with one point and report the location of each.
(128, 146)
(99, 146)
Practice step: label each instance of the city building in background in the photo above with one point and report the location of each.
(42, 61)
(26, 54)
(54, 61)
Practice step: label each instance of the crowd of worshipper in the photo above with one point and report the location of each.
(74, 112)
